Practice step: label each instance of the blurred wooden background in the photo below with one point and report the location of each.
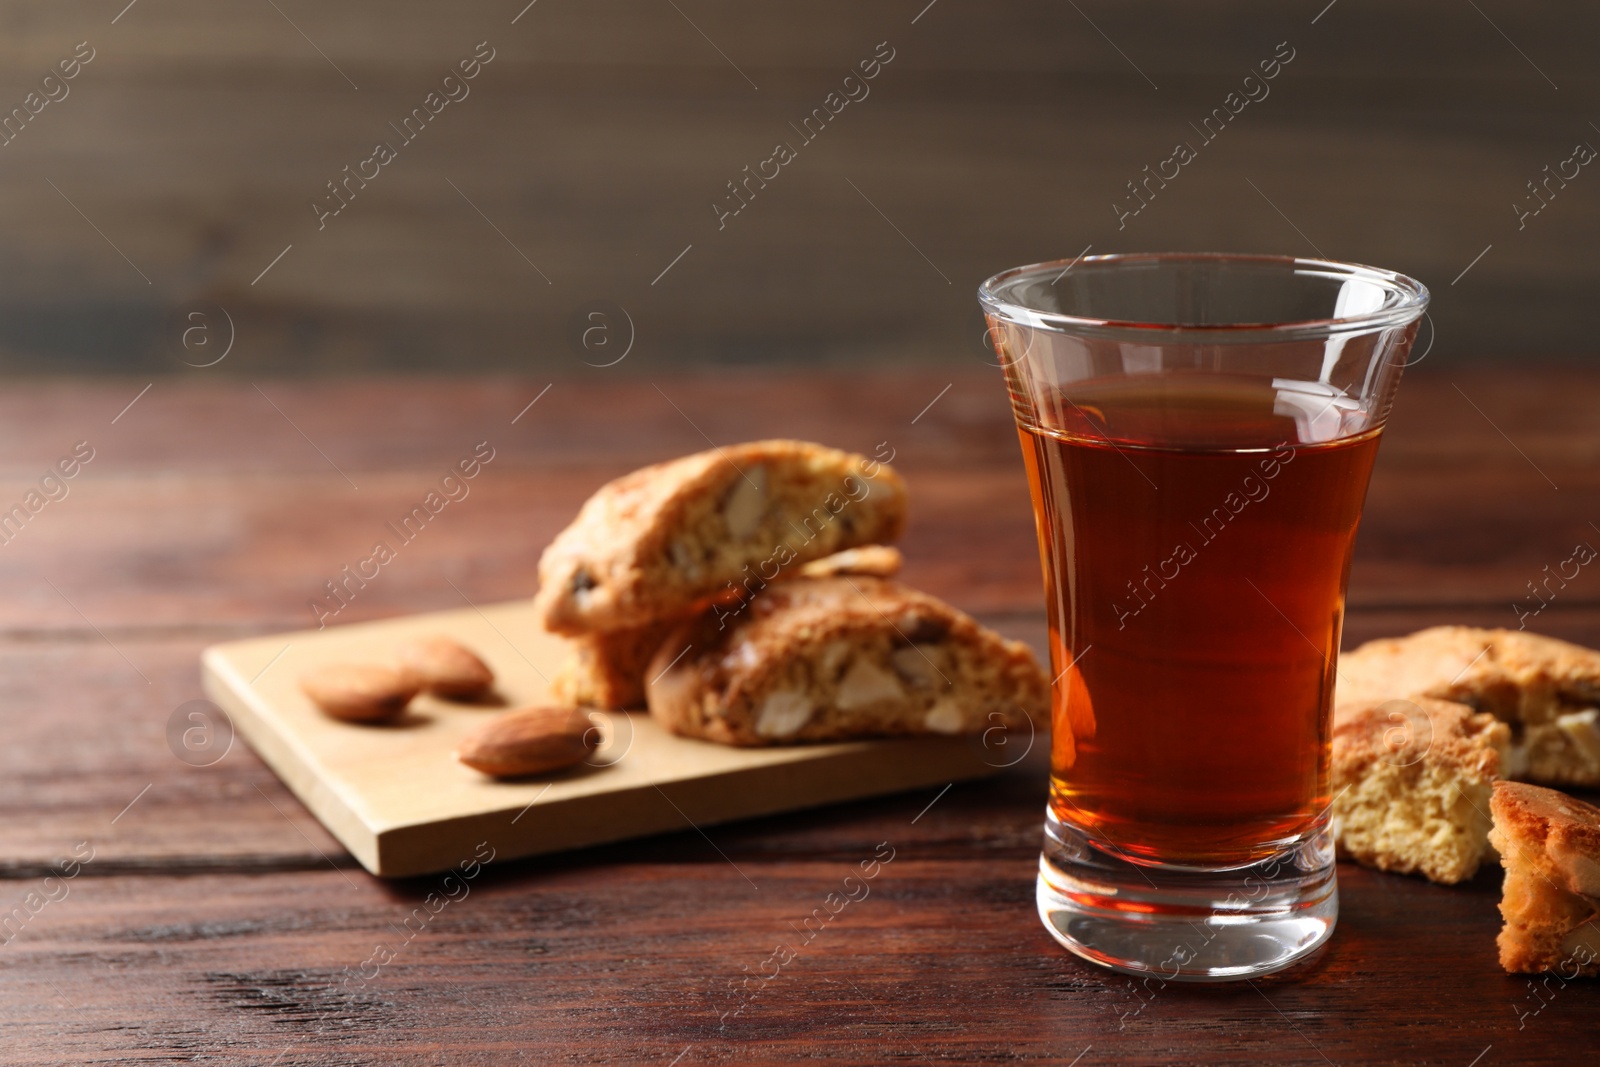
(187, 153)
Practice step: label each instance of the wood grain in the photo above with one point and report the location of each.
(623, 959)
(1461, 512)
(217, 918)
(88, 759)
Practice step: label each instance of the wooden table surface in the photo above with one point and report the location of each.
(218, 923)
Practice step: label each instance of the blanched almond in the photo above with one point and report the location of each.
(865, 684)
(879, 561)
(447, 667)
(529, 741)
(360, 692)
(746, 503)
(945, 717)
(783, 714)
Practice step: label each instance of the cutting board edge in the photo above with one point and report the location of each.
(279, 752)
(409, 851)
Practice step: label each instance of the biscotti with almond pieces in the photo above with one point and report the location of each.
(824, 659)
(607, 669)
(1550, 846)
(655, 543)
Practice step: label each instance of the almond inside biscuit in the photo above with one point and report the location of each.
(831, 658)
(875, 685)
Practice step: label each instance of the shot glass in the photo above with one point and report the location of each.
(1198, 432)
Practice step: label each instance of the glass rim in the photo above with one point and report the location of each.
(1413, 302)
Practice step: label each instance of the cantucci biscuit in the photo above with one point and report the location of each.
(607, 669)
(1411, 781)
(823, 659)
(655, 543)
(1550, 846)
(1547, 691)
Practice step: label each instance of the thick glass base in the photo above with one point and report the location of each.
(1183, 923)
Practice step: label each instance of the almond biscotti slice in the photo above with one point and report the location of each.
(655, 543)
(1547, 690)
(1411, 781)
(607, 669)
(823, 659)
(1550, 845)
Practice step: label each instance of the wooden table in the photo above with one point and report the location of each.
(217, 922)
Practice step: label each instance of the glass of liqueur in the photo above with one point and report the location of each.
(1198, 432)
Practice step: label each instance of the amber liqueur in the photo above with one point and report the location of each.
(1195, 551)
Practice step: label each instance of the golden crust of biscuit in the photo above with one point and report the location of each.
(1405, 732)
(654, 543)
(1411, 782)
(1515, 675)
(1563, 828)
(821, 659)
(1550, 846)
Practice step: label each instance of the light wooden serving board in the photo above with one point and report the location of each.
(400, 802)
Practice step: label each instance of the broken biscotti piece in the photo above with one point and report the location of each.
(1411, 781)
(1550, 845)
(1547, 690)
(655, 543)
(607, 669)
(824, 659)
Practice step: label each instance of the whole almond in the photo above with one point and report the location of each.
(876, 561)
(447, 667)
(529, 741)
(360, 692)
